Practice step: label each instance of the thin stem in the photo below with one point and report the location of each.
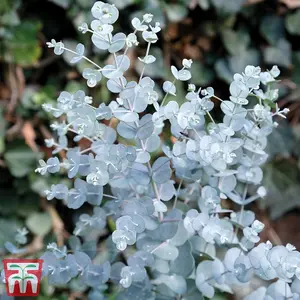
(110, 196)
(84, 136)
(212, 277)
(177, 193)
(242, 209)
(84, 57)
(126, 49)
(170, 220)
(144, 67)
(153, 183)
(216, 97)
(58, 146)
(97, 34)
(159, 246)
(210, 116)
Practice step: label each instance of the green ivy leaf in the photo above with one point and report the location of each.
(8, 230)
(22, 47)
(272, 29)
(226, 68)
(201, 74)
(39, 223)
(296, 67)
(235, 42)
(11, 18)
(281, 180)
(237, 63)
(281, 141)
(222, 70)
(292, 23)
(27, 204)
(20, 159)
(9, 200)
(281, 54)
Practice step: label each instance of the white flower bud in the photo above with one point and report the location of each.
(261, 191)
(290, 247)
(83, 28)
(275, 71)
(191, 87)
(187, 63)
(269, 245)
(88, 99)
(49, 142)
(286, 111)
(147, 18)
(258, 226)
(47, 107)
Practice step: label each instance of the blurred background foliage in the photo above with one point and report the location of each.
(221, 36)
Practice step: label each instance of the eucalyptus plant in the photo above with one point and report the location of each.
(167, 210)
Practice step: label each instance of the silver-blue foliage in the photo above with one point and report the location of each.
(208, 162)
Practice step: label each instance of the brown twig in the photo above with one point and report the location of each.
(15, 129)
(45, 62)
(35, 246)
(13, 84)
(21, 80)
(30, 136)
(270, 232)
(45, 132)
(291, 4)
(251, 2)
(76, 295)
(57, 223)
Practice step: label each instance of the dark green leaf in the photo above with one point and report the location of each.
(272, 28)
(282, 182)
(280, 54)
(201, 75)
(281, 141)
(23, 47)
(39, 223)
(296, 67)
(292, 23)
(20, 159)
(236, 42)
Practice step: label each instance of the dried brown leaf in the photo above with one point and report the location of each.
(29, 135)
